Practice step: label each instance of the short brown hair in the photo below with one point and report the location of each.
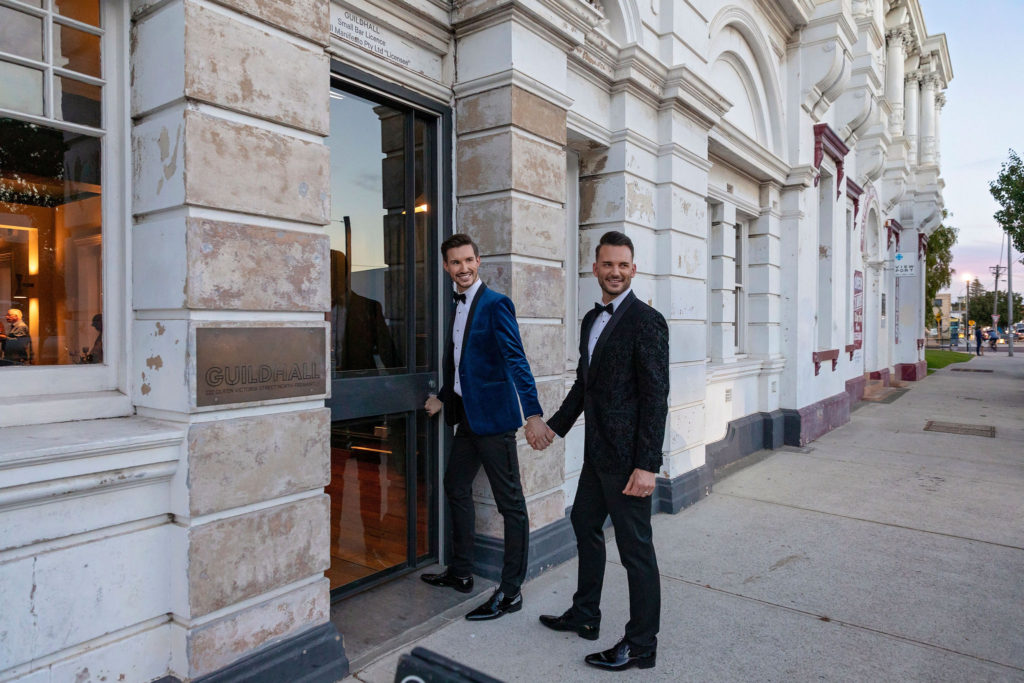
(614, 238)
(458, 240)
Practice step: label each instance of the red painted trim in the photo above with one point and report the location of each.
(854, 191)
(819, 356)
(826, 141)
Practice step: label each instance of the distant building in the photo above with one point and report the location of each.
(221, 222)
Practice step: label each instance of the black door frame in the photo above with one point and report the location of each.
(404, 393)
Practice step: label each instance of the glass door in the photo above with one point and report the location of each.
(384, 235)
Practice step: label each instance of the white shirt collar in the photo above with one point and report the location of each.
(617, 300)
(471, 292)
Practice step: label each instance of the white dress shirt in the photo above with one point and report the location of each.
(459, 327)
(602, 319)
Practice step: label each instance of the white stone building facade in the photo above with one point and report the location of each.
(252, 194)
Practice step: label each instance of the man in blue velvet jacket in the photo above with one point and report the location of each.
(486, 380)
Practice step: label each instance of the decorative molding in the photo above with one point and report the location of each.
(689, 93)
(854, 191)
(892, 229)
(826, 141)
(819, 356)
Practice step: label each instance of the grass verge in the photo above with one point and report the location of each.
(939, 359)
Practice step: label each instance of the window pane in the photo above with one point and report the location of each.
(51, 282)
(369, 309)
(77, 102)
(85, 11)
(21, 34)
(76, 50)
(21, 88)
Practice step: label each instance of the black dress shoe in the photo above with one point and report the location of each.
(497, 605)
(446, 579)
(622, 657)
(565, 623)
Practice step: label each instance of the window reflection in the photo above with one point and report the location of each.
(50, 246)
(368, 240)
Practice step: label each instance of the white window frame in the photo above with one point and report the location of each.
(54, 393)
(740, 285)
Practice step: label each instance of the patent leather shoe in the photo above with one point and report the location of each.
(497, 605)
(623, 656)
(463, 584)
(566, 623)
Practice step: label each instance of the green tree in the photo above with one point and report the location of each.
(982, 306)
(1008, 191)
(939, 262)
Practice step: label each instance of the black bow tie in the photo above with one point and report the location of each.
(607, 308)
(457, 297)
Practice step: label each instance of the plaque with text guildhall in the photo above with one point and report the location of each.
(248, 364)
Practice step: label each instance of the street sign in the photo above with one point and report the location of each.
(905, 265)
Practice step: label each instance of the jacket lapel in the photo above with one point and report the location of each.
(472, 312)
(606, 333)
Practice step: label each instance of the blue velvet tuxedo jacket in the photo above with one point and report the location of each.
(622, 390)
(494, 374)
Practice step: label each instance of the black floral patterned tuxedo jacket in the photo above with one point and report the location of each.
(622, 391)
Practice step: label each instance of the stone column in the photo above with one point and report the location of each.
(940, 102)
(231, 190)
(722, 282)
(928, 113)
(896, 52)
(911, 97)
(510, 187)
(764, 278)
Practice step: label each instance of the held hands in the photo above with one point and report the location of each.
(640, 484)
(538, 434)
(433, 405)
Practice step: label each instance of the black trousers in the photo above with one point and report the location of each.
(497, 453)
(599, 495)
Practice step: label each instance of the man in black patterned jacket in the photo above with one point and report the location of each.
(622, 390)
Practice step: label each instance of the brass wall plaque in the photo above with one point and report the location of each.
(246, 364)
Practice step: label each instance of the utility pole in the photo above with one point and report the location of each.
(997, 271)
(1009, 292)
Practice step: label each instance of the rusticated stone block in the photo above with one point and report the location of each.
(237, 167)
(537, 291)
(232, 266)
(509, 160)
(240, 557)
(221, 642)
(239, 67)
(514, 225)
(545, 349)
(551, 394)
(511, 105)
(542, 510)
(542, 470)
(252, 459)
(309, 19)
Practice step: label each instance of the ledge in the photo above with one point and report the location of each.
(820, 356)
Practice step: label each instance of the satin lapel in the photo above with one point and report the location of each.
(588, 322)
(606, 333)
(472, 312)
(448, 360)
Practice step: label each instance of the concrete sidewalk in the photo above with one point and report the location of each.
(881, 552)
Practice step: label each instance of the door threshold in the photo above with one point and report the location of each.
(385, 618)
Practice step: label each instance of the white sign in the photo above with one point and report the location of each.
(905, 265)
(369, 35)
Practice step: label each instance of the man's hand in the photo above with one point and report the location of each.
(538, 434)
(433, 405)
(640, 484)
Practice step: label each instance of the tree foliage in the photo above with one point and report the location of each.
(939, 260)
(1008, 191)
(982, 305)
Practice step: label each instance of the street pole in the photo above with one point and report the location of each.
(1009, 292)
